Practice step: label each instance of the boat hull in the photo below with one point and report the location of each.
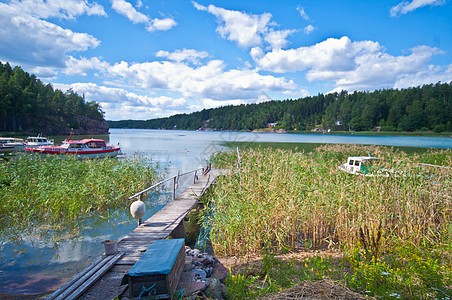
(98, 153)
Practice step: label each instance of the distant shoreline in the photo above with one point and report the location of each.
(372, 133)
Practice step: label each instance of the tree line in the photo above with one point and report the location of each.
(425, 108)
(27, 104)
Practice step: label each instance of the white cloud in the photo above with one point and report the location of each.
(82, 66)
(351, 65)
(161, 24)
(126, 9)
(331, 54)
(247, 30)
(277, 38)
(405, 7)
(431, 74)
(209, 80)
(189, 55)
(308, 29)
(64, 9)
(122, 104)
(303, 13)
(31, 41)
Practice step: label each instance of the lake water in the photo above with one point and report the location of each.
(45, 258)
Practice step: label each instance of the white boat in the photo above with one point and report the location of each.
(8, 144)
(37, 141)
(86, 148)
(359, 165)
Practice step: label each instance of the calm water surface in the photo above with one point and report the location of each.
(43, 258)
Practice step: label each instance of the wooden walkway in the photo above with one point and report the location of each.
(168, 221)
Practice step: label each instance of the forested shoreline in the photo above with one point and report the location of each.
(29, 105)
(422, 108)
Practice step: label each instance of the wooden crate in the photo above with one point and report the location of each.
(162, 265)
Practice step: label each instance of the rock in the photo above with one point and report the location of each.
(191, 288)
(200, 274)
(219, 272)
(214, 289)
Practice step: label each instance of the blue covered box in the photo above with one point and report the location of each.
(158, 271)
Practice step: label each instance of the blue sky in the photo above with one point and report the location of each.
(143, 59)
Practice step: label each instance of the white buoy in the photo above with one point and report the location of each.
(137, 210)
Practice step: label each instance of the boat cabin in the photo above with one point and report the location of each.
(85, 144)
(358, 164)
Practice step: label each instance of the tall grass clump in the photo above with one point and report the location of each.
(282, 201)
(44, 190)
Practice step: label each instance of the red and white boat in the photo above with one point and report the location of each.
(86, 148)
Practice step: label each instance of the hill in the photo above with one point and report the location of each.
(419, 108)
(27, 104)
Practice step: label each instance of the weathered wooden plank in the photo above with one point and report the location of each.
(73, 280)
(68, 291)
(88, 283)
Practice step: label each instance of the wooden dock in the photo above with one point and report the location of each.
(101, 280)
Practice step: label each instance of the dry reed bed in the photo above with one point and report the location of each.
(282, 200)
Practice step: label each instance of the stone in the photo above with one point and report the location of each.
(200, 274)
(213, 291)
(191, 288)
(220, 272)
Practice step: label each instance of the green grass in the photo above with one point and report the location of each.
(283, 201)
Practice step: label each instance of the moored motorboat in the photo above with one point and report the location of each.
(86, 148)
(9, 144)
(37, 141)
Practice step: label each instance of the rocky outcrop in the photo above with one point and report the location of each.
(203, 275)
(90, 126)
(79, 124)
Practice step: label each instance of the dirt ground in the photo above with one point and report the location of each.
(322, 289)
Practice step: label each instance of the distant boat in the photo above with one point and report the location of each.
(9, 144)
(86, 148)
(37, 141)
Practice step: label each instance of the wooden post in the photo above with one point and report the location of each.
(174, 188)
(140, 220)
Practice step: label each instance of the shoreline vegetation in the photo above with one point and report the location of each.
(50, 197)
(383, 237)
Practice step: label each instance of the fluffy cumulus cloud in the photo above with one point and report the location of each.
(122, 104)
(209, 80)
(407, 6)
(247, 30)
(27, 39)
(431, 74)
(126, 9)
(351, 65)
(84, 65)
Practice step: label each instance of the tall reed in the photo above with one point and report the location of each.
(43, 190)
(282, 200)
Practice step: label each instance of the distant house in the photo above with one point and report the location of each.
(378, 128)
(270, 125)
